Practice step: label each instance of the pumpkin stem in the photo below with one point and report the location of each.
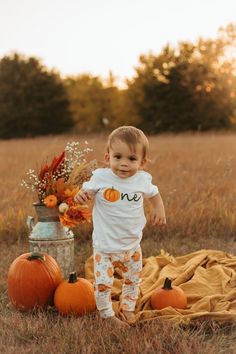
(36, 255)
(72, 277)
(167, 284)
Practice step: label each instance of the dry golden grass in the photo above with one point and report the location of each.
(196, 176)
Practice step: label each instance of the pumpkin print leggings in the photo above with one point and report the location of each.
(130, 263)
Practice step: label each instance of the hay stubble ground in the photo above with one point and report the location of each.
(196, 176)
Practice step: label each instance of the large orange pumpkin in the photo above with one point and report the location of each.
(169, 295)
(32, 280)
(75, 296)
(111, 194)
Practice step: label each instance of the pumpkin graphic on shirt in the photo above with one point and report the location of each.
(111, 194)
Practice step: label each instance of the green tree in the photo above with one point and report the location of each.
(191, 87)
(33, 101)
(86, 102)
(117, 105)
(96, 105)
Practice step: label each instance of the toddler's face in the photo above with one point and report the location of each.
(123, 161)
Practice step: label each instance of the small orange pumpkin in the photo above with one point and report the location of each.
(50, 201)
(32, 280)
(168, 296)
(111, 194)
(75, 296)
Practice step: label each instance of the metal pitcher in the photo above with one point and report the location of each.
(48, 235)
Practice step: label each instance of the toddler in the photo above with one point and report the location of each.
(118, 217)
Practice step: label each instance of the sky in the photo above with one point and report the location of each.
(96, 36)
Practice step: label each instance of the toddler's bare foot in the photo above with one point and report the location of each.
(129, 315)
(116, 322)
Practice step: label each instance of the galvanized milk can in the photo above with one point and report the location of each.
(48, 235)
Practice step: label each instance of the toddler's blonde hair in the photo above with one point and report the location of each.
(131, 136)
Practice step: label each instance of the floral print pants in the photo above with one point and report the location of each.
(130, 263)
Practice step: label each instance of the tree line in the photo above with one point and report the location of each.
(188, 88)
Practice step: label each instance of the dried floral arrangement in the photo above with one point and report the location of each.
(57, 183)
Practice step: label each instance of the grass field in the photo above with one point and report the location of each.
(196, 176)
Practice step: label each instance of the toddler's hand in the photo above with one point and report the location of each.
(158, 218)
(82, 197)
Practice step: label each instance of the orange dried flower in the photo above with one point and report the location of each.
(70, 201)
(71, 192)
(76, 215)
(66, 221)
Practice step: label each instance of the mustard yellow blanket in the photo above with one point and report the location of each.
(208, 278)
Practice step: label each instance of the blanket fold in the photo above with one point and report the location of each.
(208, 278)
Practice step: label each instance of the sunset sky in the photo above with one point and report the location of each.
(78, 36)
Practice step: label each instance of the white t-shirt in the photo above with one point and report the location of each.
(118, 214)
